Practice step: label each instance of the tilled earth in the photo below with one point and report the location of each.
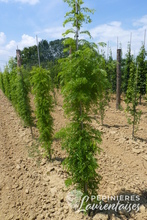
(32, 188)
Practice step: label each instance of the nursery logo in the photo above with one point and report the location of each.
(125, 203)
(73, 199)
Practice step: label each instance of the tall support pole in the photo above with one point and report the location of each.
(81, 107)
(77, 31)
(108, 51)
(144, 37)
(134, 104)
(38, 50)
(130, 42)
(117, 48)
(118, 88)
(117, 43)
(70, 51)
(18, 55)
(77, 46)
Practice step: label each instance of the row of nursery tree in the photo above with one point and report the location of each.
(51, 52)
(86, 80)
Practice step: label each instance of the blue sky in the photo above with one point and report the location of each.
(22, 20)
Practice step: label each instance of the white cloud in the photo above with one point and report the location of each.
(26, 41)
(115, 23)
(31, 2)
(2, 38)
(141, 22)
(9, 50)
(54, 32)
(111, 31)
(101, 33)
(11, 45)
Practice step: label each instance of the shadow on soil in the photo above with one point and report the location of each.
(114, 126)
(129, 205)
(59, 159)
(141, 139)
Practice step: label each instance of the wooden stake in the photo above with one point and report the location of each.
(38, 50)
(108, 51)
(144, 37)
(117, 47)
(117, 43)
(130, 42)
(18, 55)
(134, 105)
(77, 31)
(118, 90)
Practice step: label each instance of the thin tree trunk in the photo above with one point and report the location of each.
(85, 188)
(133, 131)
(134, 105)
(31, 131)
(81, 110)
(140, 100)
(81, 115)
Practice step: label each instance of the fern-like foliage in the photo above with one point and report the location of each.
(41, 83)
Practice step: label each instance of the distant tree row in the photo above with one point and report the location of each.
(51, 52)
(125, 70)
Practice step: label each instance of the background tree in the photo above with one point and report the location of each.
(142, 71)
(29, 57)
(49, 52)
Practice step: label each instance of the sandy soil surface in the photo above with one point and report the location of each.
(32, 188)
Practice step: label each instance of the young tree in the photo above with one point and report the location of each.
(23, 100)
(111, 72)
(83, 82)
(103, 102)
(146, 80)
(76, 17)
(6, 82)
(127, 67)
(105, 96)
(132, 98)
(41, 82)
(12, 67)
(142, 72)
(2, 83)
(13, 87)
(16, 88)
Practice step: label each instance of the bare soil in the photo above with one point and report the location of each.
(32, 188)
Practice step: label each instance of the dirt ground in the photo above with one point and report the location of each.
(31, 188)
